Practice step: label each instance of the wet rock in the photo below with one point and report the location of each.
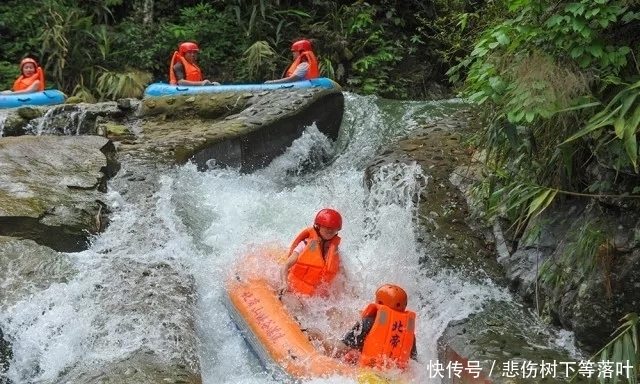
(141, 368)
(128, 105)
(461, 237)
(27, 267)
(587, 292)
(250, 140)
(508, 344)
(30, 113)
(155, 300)
(51, 188)
(6, 355)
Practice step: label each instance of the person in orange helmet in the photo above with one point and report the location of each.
(183, 69)
(313, 260)
(31, 78)
(304, 66)
(384, 337)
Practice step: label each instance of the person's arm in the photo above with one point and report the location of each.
(284, 272)
(299, 74)
(355, 337)
(332, 348)
(414, 351)
(32, 88)
(203, 82)
(178, 71)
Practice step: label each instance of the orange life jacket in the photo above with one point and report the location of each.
(313, 71)
(311, 274)
(191, 71)
(23, 83)
(390, 341)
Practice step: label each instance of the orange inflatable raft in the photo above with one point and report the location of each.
(271, 331)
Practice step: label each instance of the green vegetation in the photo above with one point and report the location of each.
(558, 83)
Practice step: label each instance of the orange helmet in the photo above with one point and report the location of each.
(301, 46)
(188, 47)
(28, 60)
(329, 218)
(392, 296)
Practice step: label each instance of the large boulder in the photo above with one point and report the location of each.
(158, 301)
(579, 262)
(504, 343)
(27, 267)
(51, 188)
(244, 130)
(65, 119)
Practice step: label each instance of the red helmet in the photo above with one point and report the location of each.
(28, 60)
(301, 46)
(187, 47)
(392, 296)
(329, 218)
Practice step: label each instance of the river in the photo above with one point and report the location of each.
(200, 222)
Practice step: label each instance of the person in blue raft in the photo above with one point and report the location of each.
(31, 78)
(384, 338)
(183, 69)
(304, 65)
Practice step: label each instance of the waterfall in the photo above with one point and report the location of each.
(199, 223)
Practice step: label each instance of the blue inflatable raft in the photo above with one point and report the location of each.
(164, 89)
(46, 97)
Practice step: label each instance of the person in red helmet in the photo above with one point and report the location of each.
(304, 66)
(384, 338)
(31, 78)
(312, 262)
(183, 69)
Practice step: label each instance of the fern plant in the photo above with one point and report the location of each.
(622, 351)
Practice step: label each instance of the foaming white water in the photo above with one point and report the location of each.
(199, 223)
(3, 119)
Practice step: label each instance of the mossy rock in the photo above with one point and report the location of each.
(203, 106)
(74, 100)
(117, 130)
(29, 113)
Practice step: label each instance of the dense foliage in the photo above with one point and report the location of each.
(104, 49)
(558, 84)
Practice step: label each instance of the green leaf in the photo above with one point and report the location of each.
(631, 145)
(576, 52)
(631, 357)
(595, 50)
(479, 51)
(593, 125)
(542, 201)
(626, 104)
(617, 356)
(584, 61)
(575, 8)
(618, 125)
(529, 116)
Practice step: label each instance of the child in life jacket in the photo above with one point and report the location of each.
(312, 262)
(183, 69)
(384, 337)
(304, 65)
(31, 78)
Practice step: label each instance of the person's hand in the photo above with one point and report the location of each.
(283, 288)
(215, 83)
(205, 82)
(313, 334)
(269, 82)
(7, 91)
